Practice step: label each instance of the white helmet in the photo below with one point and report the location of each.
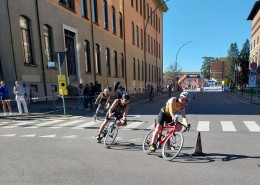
(185, 95)
(106, 91)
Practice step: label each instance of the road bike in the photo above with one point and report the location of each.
(101, 109)
(171, 142)
(110, 132)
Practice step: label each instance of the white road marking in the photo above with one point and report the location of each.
(8, 135)
(25, 123)
(133, 125)
(89, 124)
(203, 126)
(70, 137)
(67, 124)
(45, 123)
(10, 126)
(30, 135)
(54, 135)
(228, 126)
(252, 126)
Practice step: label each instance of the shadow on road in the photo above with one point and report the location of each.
(126, 146)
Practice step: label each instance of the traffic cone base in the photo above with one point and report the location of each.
(198, 149)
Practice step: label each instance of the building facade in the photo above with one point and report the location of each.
(254, 16)
(218, 69)
(103, 40)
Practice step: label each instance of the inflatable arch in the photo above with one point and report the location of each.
(188, 76)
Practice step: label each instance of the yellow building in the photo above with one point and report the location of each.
(104, 41)
(254, 16)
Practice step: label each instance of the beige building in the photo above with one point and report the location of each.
(104, 41)
(254, 16)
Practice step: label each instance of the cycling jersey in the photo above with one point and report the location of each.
(103, 97)
(176, 107)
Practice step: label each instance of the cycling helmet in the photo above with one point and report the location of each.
(126, 96)
(106, 91)
(185, 95)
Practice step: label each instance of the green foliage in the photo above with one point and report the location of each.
(244, 62)
(205, 68)
(233, 59)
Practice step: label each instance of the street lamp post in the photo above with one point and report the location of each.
(145, 64)
(180, 49)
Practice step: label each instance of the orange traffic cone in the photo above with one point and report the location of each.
(198, 149)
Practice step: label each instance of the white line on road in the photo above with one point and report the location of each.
(228, 126)
(133, 125)
(8, 135)
(89, 124)
(68, 123)
(30, 135)
(70, 137)
(54, 135)
(252, 126)
(203, 126)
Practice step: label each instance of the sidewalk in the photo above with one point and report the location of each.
(245, 97)
(53, 108)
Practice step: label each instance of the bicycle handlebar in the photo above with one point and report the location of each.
(187, 127)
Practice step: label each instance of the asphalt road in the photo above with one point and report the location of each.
(63, 151)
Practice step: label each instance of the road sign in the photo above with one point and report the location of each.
(59, 57)
(252, 81)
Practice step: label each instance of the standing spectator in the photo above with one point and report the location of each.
(91, 94)
(5, 98)
(19, 97)
(119, 92)
(80, 96)
(170, 91)
(117, 85)
(86, 96)
(26, 93)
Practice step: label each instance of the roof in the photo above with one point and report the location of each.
(254, 11)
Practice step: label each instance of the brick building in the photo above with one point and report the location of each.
(104, 41)
(218, 69)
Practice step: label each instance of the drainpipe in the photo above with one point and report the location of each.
(15, 72)
(93, 45)
(124, 45)
(42, 59)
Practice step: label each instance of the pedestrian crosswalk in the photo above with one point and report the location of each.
(203, 126)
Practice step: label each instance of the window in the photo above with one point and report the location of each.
(87, 56)
(97, 59)
(159, 50)
(148, 43)
(156, 24)
(136, 5)
(122, 65)
(138, 70)
(142, 42)
(94, 11)
(141, 6)
(68, 3)
(132, 3)
(26, 40)
(120, 25)
(142, 70)
(151, 16)
(151, 45)
(152, 72)
(148, 14)
(144, 9)
(154, 52)
(149, 71)
(113, 20)
(105, 14)
(108, 68)
(134, 72)
(159, 25)
(84, 8)
(133, 33)
(47, 34)
(115, 62)
(137, 36)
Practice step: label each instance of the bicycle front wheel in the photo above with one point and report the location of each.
(147, 142)
(172, 146)
(111, 135)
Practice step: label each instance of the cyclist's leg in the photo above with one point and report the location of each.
(101, 128)
(158, 129)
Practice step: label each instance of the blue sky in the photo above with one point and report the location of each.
(212, 25)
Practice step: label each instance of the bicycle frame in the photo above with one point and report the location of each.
(170, 132)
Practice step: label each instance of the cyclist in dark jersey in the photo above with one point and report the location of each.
(102, 100)
(119, 109)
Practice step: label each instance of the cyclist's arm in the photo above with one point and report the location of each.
(125, 112)
(172, 100)
(108, 98)
(98, 98)
(184, 118)
(115, 103)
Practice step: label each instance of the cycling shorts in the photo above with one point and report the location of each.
(162, 117)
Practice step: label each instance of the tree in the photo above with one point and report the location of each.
(205, 68)
(244, 62)
(232, 62)
(172, 71)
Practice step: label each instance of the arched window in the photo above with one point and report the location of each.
(115, 62)
(26, 39)
(97, 58)
(133, 33)
(138, 70)
(105, 14)
(120, 25)
(48, 41)
(113, 20)
(87, 56)
(108, 68)
(122, 65)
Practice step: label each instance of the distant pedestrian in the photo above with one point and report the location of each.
(80, 96)
(5, 98)
(19, 97)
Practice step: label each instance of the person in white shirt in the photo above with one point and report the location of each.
(19, 97)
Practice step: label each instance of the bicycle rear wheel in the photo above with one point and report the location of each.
(147, 142)
(172, 146)
(111, 135)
